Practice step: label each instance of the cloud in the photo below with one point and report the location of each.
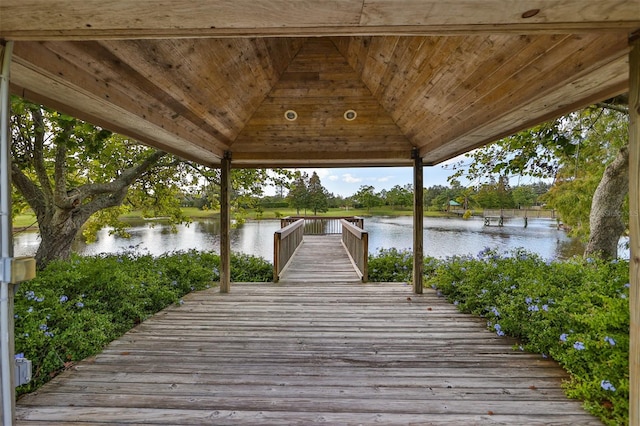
(333, 178)
(384, 179)
(349, 178)
(322, 173)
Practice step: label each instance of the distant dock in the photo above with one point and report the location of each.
(497, 216)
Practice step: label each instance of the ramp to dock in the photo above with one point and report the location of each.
(320, 258)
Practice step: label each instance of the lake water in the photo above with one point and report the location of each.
(442, 237)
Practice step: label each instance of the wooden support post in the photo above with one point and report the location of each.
(634, 232)
(7, 346)
(418, 225)
(225, 223)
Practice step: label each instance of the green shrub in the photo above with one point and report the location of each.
(76, 307)
(576, 311)
(393, 265)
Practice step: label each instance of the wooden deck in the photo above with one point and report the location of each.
(302, 353)
(320, 258)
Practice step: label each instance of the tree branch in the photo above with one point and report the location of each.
(613, 107)
(126, 178)
(29, 190)
(60, 167)
(38, 153)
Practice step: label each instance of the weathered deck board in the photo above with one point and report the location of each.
(301, 353)
(320, 258)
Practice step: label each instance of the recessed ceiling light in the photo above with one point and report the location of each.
(350, 115)
(290, 115)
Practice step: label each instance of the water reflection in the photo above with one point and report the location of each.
(452, 236)
(442, 237)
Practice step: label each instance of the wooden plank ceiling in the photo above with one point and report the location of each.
(201, 78)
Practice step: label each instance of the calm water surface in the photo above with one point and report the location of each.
(442, 237)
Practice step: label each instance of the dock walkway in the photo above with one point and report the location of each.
(320, 258)
(308, 352)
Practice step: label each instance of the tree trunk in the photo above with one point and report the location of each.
(605, 220)
(56, 239)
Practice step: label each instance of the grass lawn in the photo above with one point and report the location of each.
(24, 220)
(28, 219)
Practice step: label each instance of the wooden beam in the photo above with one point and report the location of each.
(97, 19)
(225, 224)
(418, 225)
(634, 232)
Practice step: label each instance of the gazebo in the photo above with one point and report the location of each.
(337, 83)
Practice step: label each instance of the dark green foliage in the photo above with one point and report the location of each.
(76, 307)
(575, 311)
(393, 265)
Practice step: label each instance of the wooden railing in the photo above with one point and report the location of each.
(501, 214)
(285, 243)
(356, 241)
(319, 225)
(529, 213)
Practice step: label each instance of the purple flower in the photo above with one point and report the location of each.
(48, 334)
(79, 305)
(545, 307)
(579, 346)
(563, 337)
(528, 300)
(610, 340)
(63, 298)
(495, 311)
(544, 356)
(606, 385)
(43, 327)
(627, 285)
(533, 308)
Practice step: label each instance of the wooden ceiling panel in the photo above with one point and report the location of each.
(222, 81)
(587, 89)
(441, 90)
(62, 76)
(530, 80)
(320, 86)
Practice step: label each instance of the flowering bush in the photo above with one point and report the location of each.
(575, 311)
(73, 308)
